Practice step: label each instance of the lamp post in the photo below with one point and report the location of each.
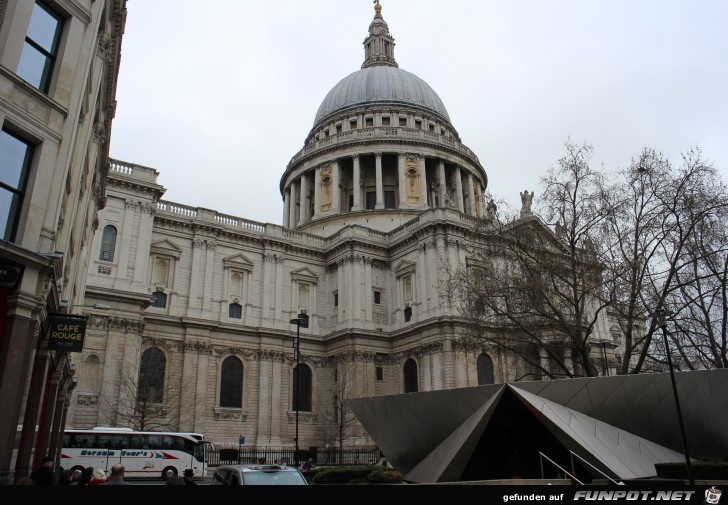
(661, 316)
(300, 321)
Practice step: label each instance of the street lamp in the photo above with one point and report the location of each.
(661, 316)
(300, 321)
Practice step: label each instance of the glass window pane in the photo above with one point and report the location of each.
(33, 66)
(43, 28)
(9, 203)
(13, 154)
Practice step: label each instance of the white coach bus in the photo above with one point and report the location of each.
(144, 454)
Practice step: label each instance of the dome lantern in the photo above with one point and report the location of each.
(379, 44)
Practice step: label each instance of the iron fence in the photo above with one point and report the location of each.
(322, 456)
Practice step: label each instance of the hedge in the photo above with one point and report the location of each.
(362, 474)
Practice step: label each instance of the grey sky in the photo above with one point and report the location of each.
(219, 99)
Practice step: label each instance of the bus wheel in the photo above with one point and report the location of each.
(168, 472)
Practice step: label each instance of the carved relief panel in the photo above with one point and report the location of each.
(412, 180)
(326, 188)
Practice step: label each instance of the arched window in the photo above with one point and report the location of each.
(89, 380)
(108, 243)
(151, 376)
(485, 370)
(231, 383)
(411, 384)
(235, 311)
(302, 382)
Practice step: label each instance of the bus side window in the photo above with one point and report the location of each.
(105, 441)
(138, 442)
(155, 441)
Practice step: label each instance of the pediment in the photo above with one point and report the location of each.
(304, 274)
(167, 248)
(238, 261)
(403, 267)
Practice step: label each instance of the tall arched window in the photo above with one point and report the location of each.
(411, 384)
(231, 383)
(304, 391)
(151, 376)
(485, 370)
(108, 243)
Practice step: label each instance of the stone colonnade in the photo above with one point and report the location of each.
(317, 193)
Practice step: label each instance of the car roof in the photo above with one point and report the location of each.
(259, 468)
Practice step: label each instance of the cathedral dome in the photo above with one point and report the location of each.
(380, 85)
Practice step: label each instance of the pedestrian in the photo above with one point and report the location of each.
(307, 466)
(97, 478)
(117, 476)
(86, 476)
(44, 474)
(66, 478)
(189, 473)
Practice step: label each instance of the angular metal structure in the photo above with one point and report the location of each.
(621, 425)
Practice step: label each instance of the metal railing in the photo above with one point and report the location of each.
(572, 454)
(542, 456)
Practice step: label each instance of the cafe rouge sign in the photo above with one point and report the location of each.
(66, 333)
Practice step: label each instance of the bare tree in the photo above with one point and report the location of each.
(335, 411)
(534, 294)
(656, 247)
(653, 238)
(145, 401)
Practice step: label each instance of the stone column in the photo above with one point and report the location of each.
(42, 444)
(32, 415)
(356, 306)
(471, 195)
(264, 402)
(292, 206)
(198, 248)
(200, 408)
(144, 242)
(56, 435)
(443, 183)
(401, 180)
(304, 201)
(368, 290)
(423, 182)
(59, 423)
(209, 271)
(423, 287)
(357, 185)
(124, 240)
(278, 304)
(278, 401)
(286, 207)
(459, 190)
(378, 173)
(336, 190)
(316, 192)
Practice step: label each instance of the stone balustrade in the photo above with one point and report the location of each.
(232, 223)
(385, 133)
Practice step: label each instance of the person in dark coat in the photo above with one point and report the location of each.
(44, 474)
(189, 473)
(86, 476)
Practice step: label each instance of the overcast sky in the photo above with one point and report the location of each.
(219, 99)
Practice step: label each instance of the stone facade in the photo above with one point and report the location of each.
(380, 200)
(59, 62)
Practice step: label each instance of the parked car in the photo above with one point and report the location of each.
(257, 475)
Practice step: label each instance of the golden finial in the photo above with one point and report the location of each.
(377, 9)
